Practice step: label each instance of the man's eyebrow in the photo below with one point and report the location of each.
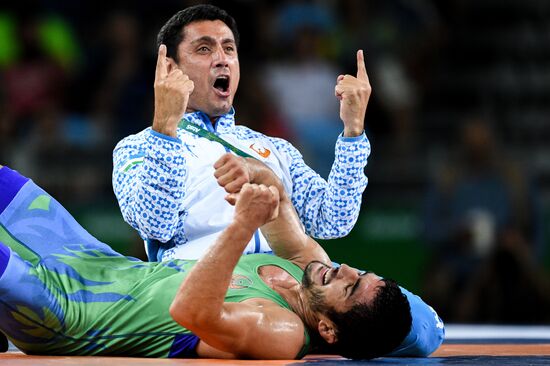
(211, 40)
(204, 39)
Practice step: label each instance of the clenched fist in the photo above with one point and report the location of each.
(172, 90)
(231, 172)
(353, 93)
(255, 205)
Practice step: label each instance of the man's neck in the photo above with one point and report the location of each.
(297, 300)
(212, 119)
(290, 290)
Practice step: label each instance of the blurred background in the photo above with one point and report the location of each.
(458, 202)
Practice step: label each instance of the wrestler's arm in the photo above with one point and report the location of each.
(239, 330)
(288, 240)
(285, 234)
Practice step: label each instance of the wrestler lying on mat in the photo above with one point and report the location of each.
(62, 292)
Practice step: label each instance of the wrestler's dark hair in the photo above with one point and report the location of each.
(376, 329)
(172, 33)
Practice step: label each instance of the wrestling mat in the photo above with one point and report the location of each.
(464, 345)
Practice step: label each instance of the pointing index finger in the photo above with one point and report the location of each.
(361, 69)
(162, 69)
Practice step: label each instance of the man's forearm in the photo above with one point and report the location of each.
(285, 235)
(262, 174)
(196, 303)
(329, 209)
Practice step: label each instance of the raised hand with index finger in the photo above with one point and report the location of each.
(172, 90)
(354, 93)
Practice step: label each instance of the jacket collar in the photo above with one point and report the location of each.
(224, 123)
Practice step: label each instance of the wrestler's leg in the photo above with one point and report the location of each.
(4, 255)
(32, 316)
(35, 225)
(58, 279)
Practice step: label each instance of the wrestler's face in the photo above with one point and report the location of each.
(338, 288)
(208, 55)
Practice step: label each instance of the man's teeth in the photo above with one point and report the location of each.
(325, 277)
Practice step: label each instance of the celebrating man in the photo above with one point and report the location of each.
(163, 177)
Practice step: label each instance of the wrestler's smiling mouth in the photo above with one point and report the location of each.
(327, 275)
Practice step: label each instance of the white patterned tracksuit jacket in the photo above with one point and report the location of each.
(167, 191)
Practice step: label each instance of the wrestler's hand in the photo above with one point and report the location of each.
(232, 172)
(353, 93)
(172, 90)
(255, 205)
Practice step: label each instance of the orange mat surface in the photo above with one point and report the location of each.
(445, 351)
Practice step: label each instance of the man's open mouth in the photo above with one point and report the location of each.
(222, 83)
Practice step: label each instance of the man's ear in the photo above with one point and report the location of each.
(327, 330)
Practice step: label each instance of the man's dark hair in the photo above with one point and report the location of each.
(376, 329)
(171, 34)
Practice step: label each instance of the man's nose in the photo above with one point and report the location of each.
(220, 58)
(347, 272)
